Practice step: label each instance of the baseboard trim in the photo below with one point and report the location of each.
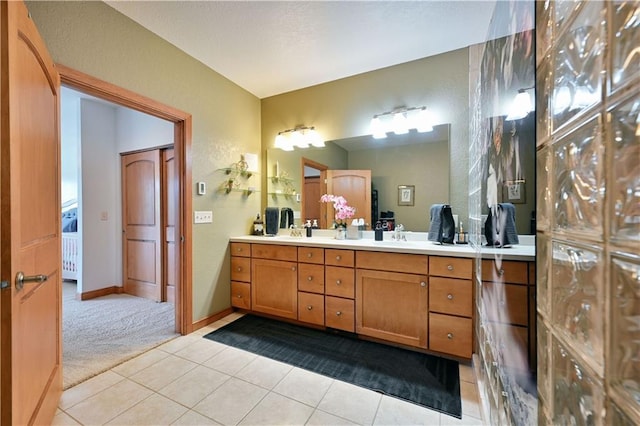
(211, 319)
(99, 293)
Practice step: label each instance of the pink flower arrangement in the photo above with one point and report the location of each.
(343, 211)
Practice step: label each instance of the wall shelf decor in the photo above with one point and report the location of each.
(237, 178)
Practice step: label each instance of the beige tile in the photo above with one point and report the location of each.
(264, 372)
(304, 386)
(446, 420)
(230, 361)
(63, 419)
(155, 410)
(191, 418)
(393, 411)
(191, 388)
(275, 409)
(111, 402)
(231, 401)
(201, 350)
(470, 399)
(163, 372)
(350, 402)
(321, 418)
(181, 342)
(140, 362)
(88, 388)
(467, 374)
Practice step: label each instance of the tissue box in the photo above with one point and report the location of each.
(354, 232)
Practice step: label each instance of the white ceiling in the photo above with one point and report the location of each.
(272, 47)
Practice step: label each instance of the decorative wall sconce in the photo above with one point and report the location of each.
(521, 105)
(300, 137)
(400, 120)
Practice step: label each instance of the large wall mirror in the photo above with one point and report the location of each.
(409, 173)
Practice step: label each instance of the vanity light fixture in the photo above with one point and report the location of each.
(521, 105)
(298, 137)
(400, 120)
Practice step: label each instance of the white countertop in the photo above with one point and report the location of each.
(416, 244)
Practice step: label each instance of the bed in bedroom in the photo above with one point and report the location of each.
(70, 242)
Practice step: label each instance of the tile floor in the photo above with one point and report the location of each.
(195, 381)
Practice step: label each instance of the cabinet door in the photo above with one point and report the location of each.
(274, 287)
(392, 306)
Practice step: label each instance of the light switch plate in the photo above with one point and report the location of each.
(203, 216)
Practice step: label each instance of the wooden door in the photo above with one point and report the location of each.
(142, 243)
(354, 186)
(169, 213)
(312, 198)
(31, 333)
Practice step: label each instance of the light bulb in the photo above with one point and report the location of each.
(521, 106)
(423, 121)
(283, 142)
(400, 123)
(298, 139)
(377, 128)
(314, 138)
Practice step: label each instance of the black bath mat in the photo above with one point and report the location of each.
(423, 379)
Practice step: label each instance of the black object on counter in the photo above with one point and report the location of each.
(378, 232)
(309, 231)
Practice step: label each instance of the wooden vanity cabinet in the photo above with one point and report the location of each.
(339, 299)
(241, 275)
(311, 283)
(508, 293)
(274, 283)
(391, 305)
(451, 305)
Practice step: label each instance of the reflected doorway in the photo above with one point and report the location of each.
(311, 189)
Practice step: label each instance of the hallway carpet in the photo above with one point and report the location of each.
(420, 378)
(100, 333)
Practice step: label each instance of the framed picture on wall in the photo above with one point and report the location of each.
(406, 194)
(513, 192)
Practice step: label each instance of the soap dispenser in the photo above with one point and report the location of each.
(258, 226)
(378, 232)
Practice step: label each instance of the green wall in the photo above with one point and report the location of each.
(344, 108)
(95, 39)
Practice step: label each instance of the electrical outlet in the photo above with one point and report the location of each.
(203, 216)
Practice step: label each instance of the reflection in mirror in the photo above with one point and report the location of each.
(416, 159)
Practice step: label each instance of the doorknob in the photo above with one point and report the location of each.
(21, 279)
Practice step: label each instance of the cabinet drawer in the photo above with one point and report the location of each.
(275, 252)
(240, 269)
(311, 255)
(450, 296)
(339, 281)
(516, 342)
(311, 278)
(450, 267)
(510, 303)
(338, 257)
(450, 335)
(394, 262)
(339, 313)
(311, 308)
(241, 295)
(507, 272)
(241, 249)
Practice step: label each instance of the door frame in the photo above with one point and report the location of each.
(182, 122)
(305, 162)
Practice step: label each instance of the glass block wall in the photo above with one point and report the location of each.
(588, 212)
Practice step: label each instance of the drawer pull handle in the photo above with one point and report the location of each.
(450, 296)
(338, 313)
(309, 307)
(449, 336)
(309, 255)
(423, 284)
(309, 278)
(239, 249)
(239, 296)
(450, 267)
(239, 269)
(338, 257)
(293, 268)
(338, 282)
